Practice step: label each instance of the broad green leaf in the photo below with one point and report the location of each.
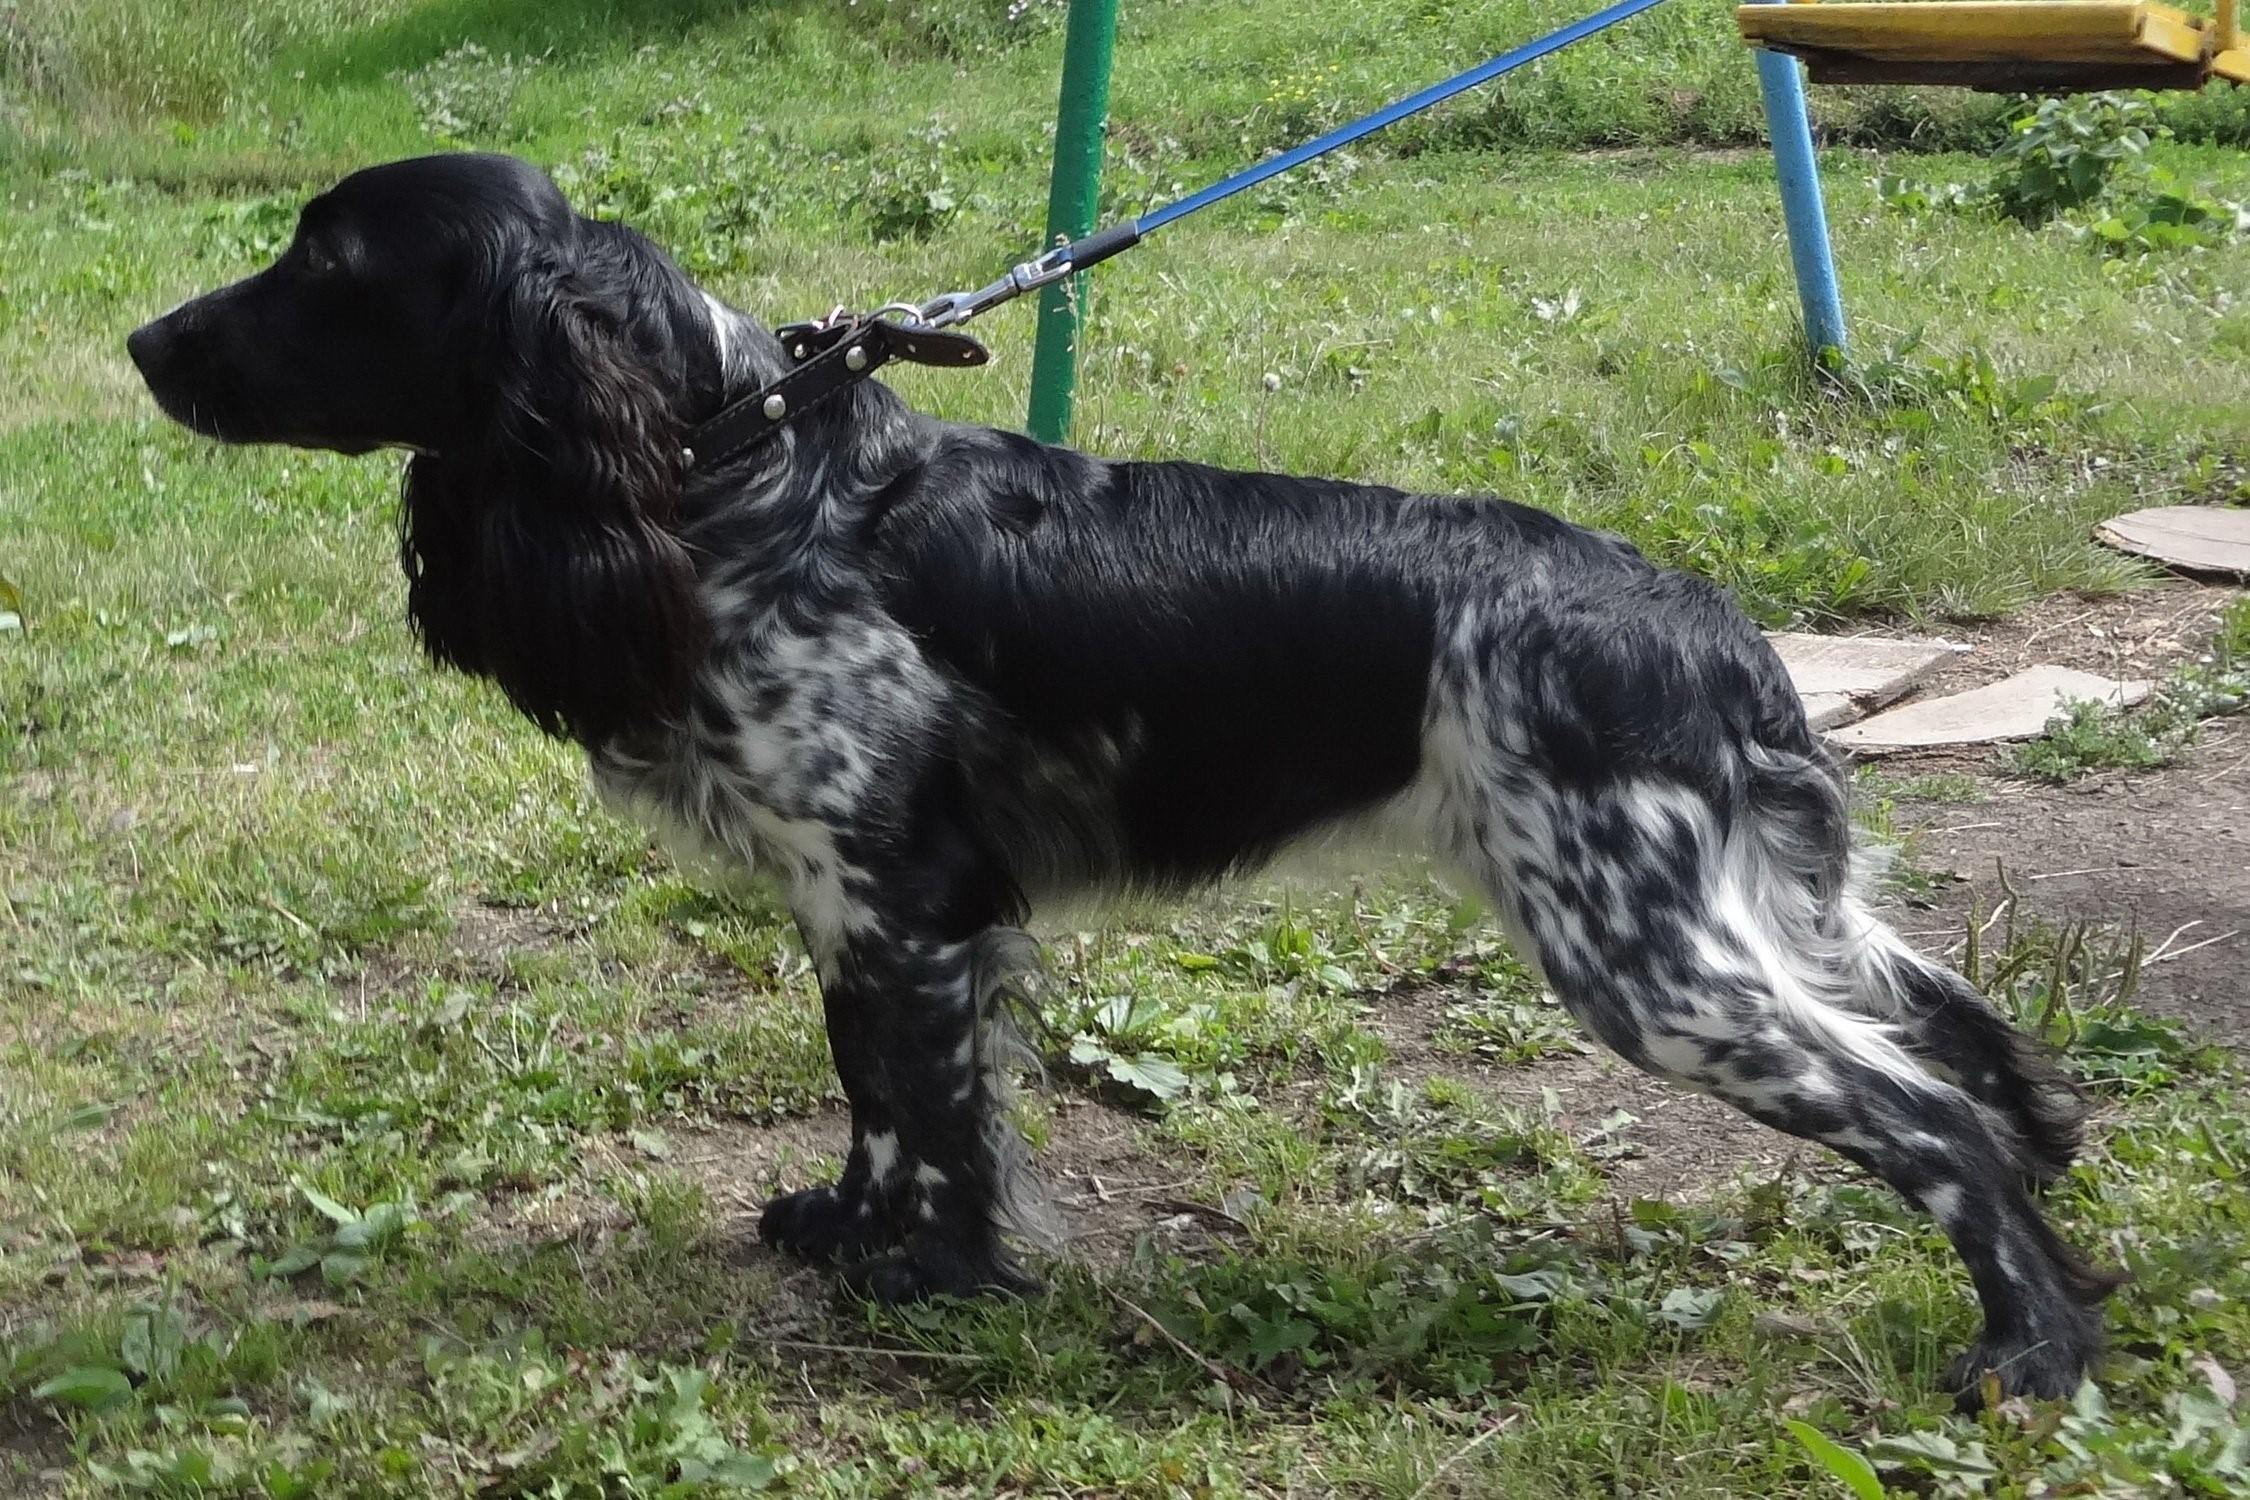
(89, 1387)
(327, 1205)
(86, 1117)
(381, 1223)
(152, 1344)
(740, 1471)
(1853, 1472)
(284, 1483)
(342, 1266)
(1933, 1452)
(1151, 1074)
(1689, 1307)
(298, 1258)
(1532, 1286)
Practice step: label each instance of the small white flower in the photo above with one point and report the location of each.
(1273, 381)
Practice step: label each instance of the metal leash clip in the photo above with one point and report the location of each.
(950, 308)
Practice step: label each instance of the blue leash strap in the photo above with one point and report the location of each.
(1064, 260)
(834, 354)
(1389, 114)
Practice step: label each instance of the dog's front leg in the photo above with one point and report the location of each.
(857, 1215)
(916, 1208)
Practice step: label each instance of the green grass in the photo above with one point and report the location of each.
(378, 1116)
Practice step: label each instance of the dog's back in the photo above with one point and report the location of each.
(1217, 664)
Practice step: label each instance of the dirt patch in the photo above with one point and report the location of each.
(2163, 849)
(1684, 101)
(485, 936)
(1105, 1174)
(476, 946)
(1677, 1144)
(1114, 1181)
(2167, 851)
(34, 1455)
(740, 1165)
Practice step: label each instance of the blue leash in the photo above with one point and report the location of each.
(1064, 260)
(830, 356)
(1391, 114)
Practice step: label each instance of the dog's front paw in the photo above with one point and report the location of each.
(822, 1224)
(932, 1265)
(2049, 1368)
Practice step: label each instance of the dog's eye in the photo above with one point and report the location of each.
(317, 259)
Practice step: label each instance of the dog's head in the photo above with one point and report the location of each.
(543, 368)
(391, 317)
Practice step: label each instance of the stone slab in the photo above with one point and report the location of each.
(2015, 708)
(1827, 710)
(2209, 539)
(1842, 677)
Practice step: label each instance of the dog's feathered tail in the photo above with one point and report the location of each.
(1938, 1018)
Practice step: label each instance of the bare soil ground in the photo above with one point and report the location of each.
(2168, 849)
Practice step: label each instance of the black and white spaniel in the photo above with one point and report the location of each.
(927, 676)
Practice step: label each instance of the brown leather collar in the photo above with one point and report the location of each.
(826, 358)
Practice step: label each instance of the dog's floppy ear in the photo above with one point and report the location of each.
(539, 549)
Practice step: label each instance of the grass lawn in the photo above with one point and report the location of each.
(377, 1116)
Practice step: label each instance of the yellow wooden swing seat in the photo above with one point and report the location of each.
(2005, 46)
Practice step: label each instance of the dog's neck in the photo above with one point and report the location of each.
(867, 430)
(705, 352)
(743, 352)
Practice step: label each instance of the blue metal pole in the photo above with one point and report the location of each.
(1782, 81)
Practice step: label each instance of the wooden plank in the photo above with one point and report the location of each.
(2143, 71)
(2204, 539)
(1985, 31)
(2015, 708)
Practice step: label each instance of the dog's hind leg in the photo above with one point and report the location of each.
(1798, 825)
(1691, 939)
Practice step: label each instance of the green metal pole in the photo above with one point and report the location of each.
(1089, 37)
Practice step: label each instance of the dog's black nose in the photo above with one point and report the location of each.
(150, 345)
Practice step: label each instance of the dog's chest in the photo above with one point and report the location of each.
(796, 733)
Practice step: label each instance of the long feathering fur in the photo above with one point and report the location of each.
(1007, 979)
(543, 555)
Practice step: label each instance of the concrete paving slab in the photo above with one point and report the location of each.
(2014, 708)
(2204, 539)
(1827, 710)
(1842, 677)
